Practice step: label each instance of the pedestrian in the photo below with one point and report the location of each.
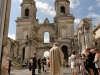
(30, 64)
(73, 63)
(78, 60)
(93, 52)
(48, 63)
(69, 62)
(97, 60)
(34, 60)
(39, 65)
(56, 60)
(82, 68)
(89, 62)
(9, 65)
(44, 64)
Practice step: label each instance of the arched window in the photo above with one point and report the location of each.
(46, 54)
(62, 9)
(46, 37)
(26, 12)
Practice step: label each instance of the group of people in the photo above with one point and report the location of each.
(79, 63)
(88, 63)
(55, 62)
(34, 63)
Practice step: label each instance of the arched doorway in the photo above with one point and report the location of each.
(23, 53)
(46, 54)
(65, 51)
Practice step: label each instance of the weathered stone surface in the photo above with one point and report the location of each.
(30, 34)
(83, 36)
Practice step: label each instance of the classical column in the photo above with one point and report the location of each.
(4, 23)
(27, 53)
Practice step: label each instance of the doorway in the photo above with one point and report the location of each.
(23, 53)
(65, 51)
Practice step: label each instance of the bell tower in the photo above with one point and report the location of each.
(26, 26)
(62, 7)
(64, 23)
(28, 9)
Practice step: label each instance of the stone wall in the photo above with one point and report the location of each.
(84, 35)
(96, 33)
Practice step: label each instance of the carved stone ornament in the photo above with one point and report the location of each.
(46, 21)
(87, 25)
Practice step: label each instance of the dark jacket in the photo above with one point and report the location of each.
(34, 65)
(89, 60)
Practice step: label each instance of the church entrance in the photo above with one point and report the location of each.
(65, 51)
(46, 54)
(23, 54)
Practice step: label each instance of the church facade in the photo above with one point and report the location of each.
(30, 33)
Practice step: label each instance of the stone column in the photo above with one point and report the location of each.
(4, 23)
(27, 49)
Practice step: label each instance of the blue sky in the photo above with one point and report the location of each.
(45, 9)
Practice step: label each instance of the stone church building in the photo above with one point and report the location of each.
(30, 33)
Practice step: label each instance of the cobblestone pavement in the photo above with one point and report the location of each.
(66, 71)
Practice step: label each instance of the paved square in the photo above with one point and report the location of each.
(66, 71)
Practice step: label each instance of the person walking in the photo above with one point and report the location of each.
(56, 60)
(34, 60)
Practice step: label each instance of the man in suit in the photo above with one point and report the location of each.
(34, 64)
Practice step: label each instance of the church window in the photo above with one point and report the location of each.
(46, 37)
(62, 9)
(96, 43)
(27, 36)
(26, 12)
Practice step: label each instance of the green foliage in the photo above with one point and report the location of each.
(16, 64)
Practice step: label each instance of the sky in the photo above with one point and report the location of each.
(45, 9)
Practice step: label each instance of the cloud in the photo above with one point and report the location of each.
(13, 0)
(74, 3)
(90, 8)
(40, 21)
(98, 2)
(12, 36)
(20, 1)
(95, 16)
(77, 21)
(45, 8)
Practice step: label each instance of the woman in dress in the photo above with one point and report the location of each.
(82, 68)
(73, 63)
